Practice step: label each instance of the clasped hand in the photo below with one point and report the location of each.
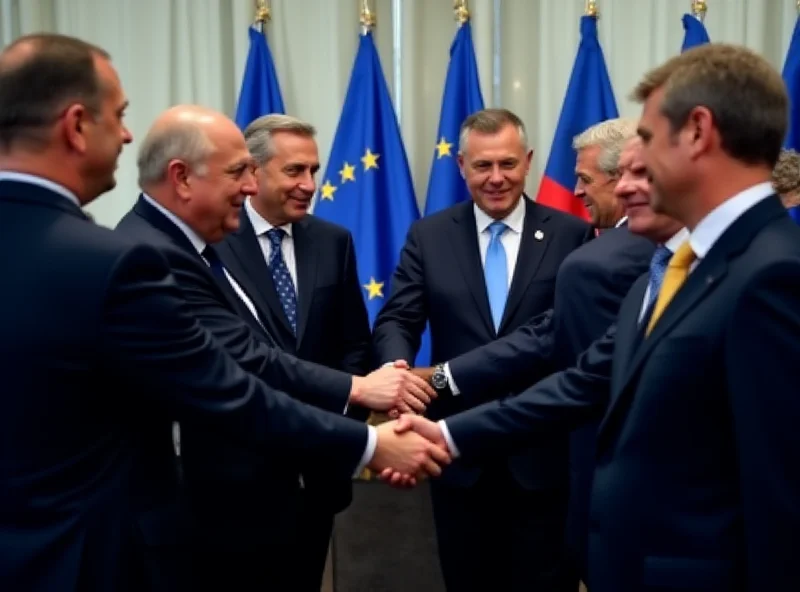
(409, 449)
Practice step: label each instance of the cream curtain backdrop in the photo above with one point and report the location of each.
(173, 51)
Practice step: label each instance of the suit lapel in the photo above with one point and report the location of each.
(306, 258)
(164, 225)
(532, 246)
(245, 246)
(700, 283)
(468, 255)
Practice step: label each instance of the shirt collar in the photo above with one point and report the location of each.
(710, 228)
(514, 220)
(41, 182)
(198, 243)
(677, 240)
(622, 221)
(260, 225)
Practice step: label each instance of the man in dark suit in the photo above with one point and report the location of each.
(98, 353)
(590, 287)
(477, 271)
(195, 171)
(316, 313)
(696, 483)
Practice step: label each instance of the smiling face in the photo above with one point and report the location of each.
(286, 182)
(595, 188)
(494, 166)
(219, 186)
(636, 193)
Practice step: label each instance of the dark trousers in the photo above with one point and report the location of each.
(257, 567)
(311, 548)
(498, 536)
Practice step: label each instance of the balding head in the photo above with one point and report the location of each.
(194, 162)
(40, 75)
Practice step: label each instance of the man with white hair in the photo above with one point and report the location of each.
(598, 149)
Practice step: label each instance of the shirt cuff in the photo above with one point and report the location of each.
(369, 450)
(450, 382)
(451, 445)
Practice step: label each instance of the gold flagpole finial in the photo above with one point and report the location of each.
(591, 9)
(367, 18)
(798, 5)
(699, 9)
(462, 13)
(263, 13)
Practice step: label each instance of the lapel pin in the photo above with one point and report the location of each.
(538, 235)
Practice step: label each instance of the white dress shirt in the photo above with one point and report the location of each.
(199, 244)
(41, 182)
(261, 227)
(702, 239)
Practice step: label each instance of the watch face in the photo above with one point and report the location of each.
(439, 380)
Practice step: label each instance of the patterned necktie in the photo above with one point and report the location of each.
(658, 266)
(495, 270)
(674, 277)
(281, 277)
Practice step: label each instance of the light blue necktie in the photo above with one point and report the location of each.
(495, 270)
(658, 267)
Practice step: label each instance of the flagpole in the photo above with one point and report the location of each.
(461, 11)
(367, 18)
(699, 9)
(591, 9)
(263, 15)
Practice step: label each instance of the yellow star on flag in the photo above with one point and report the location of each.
(348, 172)
(374, 289)
(328, 190)
(370, 160)
(443, 148)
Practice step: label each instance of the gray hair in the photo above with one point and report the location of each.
(259, 133)
(183, 141)
(491, 121)
(611, 136)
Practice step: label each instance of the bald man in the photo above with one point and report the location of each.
(195, 171)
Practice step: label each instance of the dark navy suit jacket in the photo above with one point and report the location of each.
(696, 484)
(98, 356)
(440, 279)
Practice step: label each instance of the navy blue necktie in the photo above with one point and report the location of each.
(215, 263)
(495, 270)
(284, 285)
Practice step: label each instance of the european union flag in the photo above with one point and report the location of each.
(791, 76)
(462, 97)
(260, 92)
(695, 32)
(367, 184)
(589, 100)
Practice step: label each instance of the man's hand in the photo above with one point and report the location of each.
(425, 374)
(408, 454)
(425, 428)
(391, 387)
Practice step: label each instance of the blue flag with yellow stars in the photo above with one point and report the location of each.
(462, 97)
(791, 76)
(260, 93)
(367, 184)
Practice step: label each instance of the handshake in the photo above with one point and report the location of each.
(411, 447)
(408, 449)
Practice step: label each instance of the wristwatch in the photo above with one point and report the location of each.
(439, 378)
